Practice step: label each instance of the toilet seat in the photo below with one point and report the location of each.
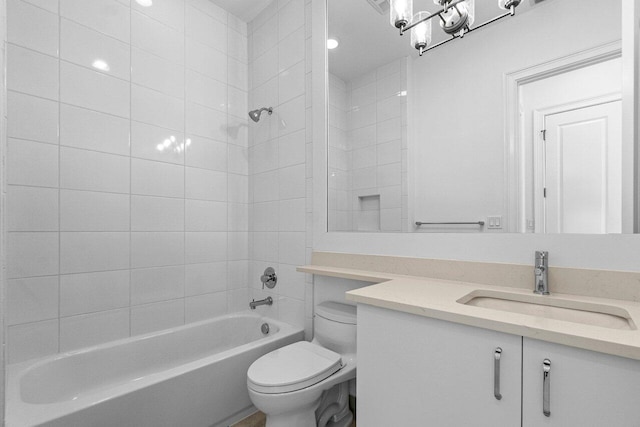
(292, 368)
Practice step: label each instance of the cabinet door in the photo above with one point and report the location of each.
(417, 371)
(585, 389)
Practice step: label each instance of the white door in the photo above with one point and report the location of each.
(582, 170)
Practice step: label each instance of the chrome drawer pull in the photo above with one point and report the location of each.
(546, 387)
(496, 373)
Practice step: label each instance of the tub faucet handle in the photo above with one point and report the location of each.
(269, 278)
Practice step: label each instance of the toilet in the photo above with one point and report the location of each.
(306, 384)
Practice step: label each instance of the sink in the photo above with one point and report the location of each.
(549, 307)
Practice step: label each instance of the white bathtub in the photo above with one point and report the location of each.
(192, 375)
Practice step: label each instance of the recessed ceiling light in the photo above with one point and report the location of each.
(101, 65)
(145, 3)
(332, 43)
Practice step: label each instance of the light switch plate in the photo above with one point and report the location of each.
(494, 222)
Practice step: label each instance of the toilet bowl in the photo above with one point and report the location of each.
(306, 384)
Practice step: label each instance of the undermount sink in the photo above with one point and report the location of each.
(547, 307)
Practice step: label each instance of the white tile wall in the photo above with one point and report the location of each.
(278, 163)
(127, 169)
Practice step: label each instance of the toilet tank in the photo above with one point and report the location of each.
(334, 326)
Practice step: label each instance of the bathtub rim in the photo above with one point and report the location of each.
(19, 412)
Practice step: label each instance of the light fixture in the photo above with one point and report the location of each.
(456, 19)
(332, 43)
(100, 64)
(145, 3)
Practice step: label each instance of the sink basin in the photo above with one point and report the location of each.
(602, 315)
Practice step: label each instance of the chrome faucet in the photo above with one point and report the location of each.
(541, 268)
(267, 301)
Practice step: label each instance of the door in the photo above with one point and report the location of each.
(418, 371)
(581, 169)
(585, 388)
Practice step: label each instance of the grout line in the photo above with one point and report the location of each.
(184, 160)
(59, 177)
(130, 45)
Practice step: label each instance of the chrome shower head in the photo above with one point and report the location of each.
(255, 114)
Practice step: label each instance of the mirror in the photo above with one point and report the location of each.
(514, 128)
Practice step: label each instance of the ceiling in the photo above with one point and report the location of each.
(246, 10)
(367, 39)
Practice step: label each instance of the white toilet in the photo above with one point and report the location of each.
(306, 384)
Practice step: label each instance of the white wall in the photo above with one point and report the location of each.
(458, 135)
(280, 162)
(108, 235)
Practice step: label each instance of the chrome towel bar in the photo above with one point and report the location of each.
(480, 223)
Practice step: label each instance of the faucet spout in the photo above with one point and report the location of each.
(267, 301)
(541, 267)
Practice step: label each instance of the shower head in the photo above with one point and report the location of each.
(255, 114)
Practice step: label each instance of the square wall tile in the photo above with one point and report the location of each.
(157, 249)
(93, 251)
(93, 211)
(93, 171)
(157, 214)
(93, 90)
(206, 278)
(107, 16)
(91, 49)
(31, 72)
(32, 340)
(32, 209)
(32, 300)
(157, 284)
(157, 316)
(32, 254)
(156, 179)
(32, 118)
(205, 306)
(205, 247)
(92, 130)
(91, 329)
(92, 292)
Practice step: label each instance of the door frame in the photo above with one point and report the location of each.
(539, 118)
(514, 179)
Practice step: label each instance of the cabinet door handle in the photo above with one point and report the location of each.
(496, 373)
(546, 387)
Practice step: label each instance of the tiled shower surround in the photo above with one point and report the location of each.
(140, 195)
(368, 189)
(127, 169)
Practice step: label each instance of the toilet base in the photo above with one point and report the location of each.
(301, 417)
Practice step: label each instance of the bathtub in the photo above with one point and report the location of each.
(192, 375)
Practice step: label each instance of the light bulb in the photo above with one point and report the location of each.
(145, 3)
(401, 12)
(421, 33)
(332, 43)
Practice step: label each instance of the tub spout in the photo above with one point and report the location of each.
(267, 301)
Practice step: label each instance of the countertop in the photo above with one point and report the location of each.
(438, 298)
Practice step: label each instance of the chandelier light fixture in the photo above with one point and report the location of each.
(456, 19)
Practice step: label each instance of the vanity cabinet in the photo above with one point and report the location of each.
(414, 370)
(586, 388)
(417, 371)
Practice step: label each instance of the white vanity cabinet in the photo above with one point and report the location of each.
(417, 371)
(585, 388)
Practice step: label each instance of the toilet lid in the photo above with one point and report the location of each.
(292, 368)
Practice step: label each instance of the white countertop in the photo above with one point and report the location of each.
(438, 299)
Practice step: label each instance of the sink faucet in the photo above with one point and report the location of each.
(267, 301)
(541, 285)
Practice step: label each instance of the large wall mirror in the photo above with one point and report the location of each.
(514, 128)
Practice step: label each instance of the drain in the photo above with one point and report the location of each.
(265, 328)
